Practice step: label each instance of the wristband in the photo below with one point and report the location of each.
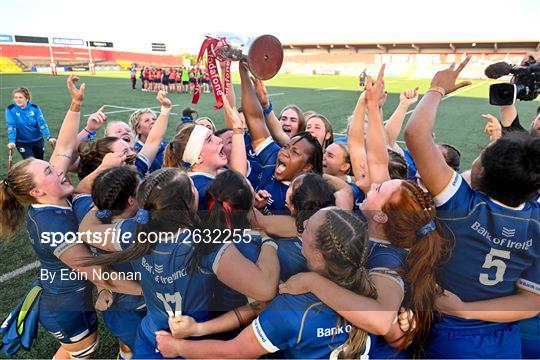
(268, 110)
(91, 134)
(438, 89)
(164, 110)
(271, 243)
(238, 131)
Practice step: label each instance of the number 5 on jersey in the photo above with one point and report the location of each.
(499, 264)
(169, 299)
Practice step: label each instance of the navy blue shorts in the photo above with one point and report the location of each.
(68, 317)
(35, 149)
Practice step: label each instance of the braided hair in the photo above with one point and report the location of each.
(168, 197)
(112, 189)
(342, 240)
(409, 209)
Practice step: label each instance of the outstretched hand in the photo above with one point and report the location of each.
(446, 79)
(163, 99)
(409, 96)
(375, 89)
(77, 95)
(96, 120)
(493, 128)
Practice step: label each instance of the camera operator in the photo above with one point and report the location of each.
(509, 115)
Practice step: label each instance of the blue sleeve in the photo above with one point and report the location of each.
(82, 204)
(456, 199)
(126, 232)
(267, 152)
(11, 126)
(50, 230)
(254, 172)
(42, 123)
(530, 279)
(210, 262)
(142, 164)
(358, 195)
(275, 326)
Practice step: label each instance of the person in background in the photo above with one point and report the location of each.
(26, 126)
(133, 76)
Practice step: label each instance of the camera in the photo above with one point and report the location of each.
(525, 84)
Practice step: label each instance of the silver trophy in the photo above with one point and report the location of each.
(263, 54)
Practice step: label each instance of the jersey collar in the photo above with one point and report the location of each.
(519, 207)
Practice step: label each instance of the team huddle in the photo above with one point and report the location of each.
(172, 80)
(270, 236)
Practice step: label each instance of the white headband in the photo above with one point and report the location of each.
(195, 144)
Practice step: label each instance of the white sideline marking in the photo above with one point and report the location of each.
(120, 107)
(276, 94)
(57, 86)
(126, 109)
(328, 88)
(12, 274)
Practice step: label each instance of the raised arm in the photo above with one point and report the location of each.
(523, 305)
(151, 146)
(357, 145)
(231, 95)
(252, 109)
(395, 122)
(377, 154)
(272, 122)
(435, 173)
(238, 158)
(67, 138)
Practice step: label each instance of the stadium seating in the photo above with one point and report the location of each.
(7, 65)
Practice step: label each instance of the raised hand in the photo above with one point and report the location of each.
(446, 79)
(96, 120)
(77, 95)
(163, 100)
(231, 115)
(493, 128)
(409, 97)
(375, 89)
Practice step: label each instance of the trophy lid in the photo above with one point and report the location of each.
(265, 56)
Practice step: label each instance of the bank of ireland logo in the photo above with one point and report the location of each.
(158, 268)
(508, 233)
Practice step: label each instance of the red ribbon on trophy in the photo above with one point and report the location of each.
(263, 54)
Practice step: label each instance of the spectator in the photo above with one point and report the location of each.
(26, 126)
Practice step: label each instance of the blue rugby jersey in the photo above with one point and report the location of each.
(201, 181)
(291, 260)
(26, 125)
(168, 288)
(52, 230)
(497, 248)
(225, 298)
(158, 160)
(302, 327)
(384, 259)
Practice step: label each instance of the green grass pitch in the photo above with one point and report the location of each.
(459, 123)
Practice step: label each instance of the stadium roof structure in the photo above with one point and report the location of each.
(451, 47)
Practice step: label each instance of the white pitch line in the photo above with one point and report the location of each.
(10, 275)
(276, 94)
(120, 107)
(130, 109)
(328, 88)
